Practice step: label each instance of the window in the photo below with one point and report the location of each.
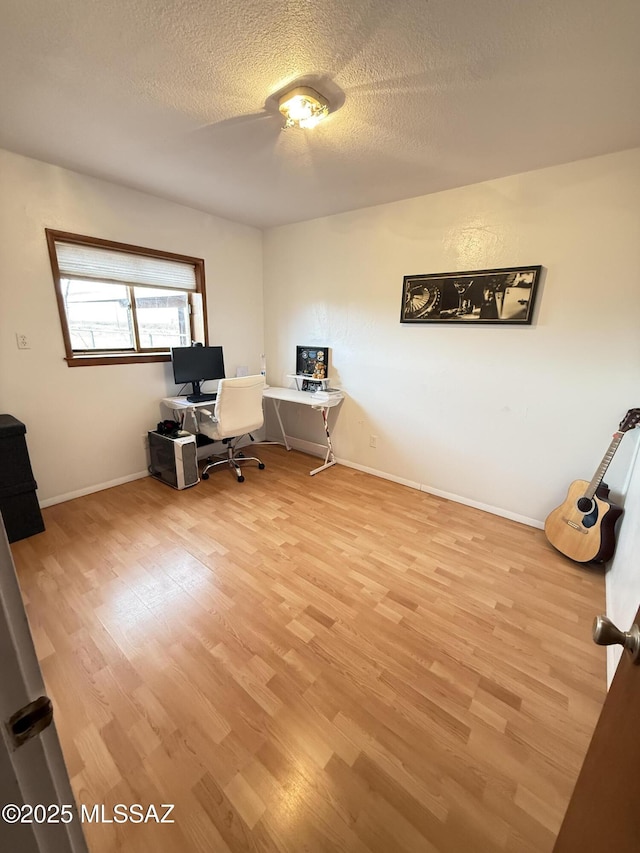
(120, 304)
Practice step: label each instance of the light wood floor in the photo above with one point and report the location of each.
(313, 664)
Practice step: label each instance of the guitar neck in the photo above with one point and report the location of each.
(606, 461)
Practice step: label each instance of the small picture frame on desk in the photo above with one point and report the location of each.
(312, 362)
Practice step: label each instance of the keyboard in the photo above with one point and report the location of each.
(201, 398)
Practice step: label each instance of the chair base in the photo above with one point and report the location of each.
(233, 460)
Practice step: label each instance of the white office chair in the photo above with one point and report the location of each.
(237, 412)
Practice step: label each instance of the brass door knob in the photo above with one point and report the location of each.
(605, 633)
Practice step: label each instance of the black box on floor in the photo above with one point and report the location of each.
(21, 514)
(18, 502)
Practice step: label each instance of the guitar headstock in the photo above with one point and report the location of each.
(630, 420)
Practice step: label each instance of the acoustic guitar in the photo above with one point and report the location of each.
(583, 527)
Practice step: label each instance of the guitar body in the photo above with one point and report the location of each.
(586, 537)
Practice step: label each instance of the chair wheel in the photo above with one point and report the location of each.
(241, 479)
(205, 476)
(261, 466)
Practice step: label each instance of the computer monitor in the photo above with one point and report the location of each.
(196, 365)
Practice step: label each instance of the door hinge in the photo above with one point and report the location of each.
(30, 720)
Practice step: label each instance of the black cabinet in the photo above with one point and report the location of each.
(18, 502)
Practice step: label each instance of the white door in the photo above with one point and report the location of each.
(32, 770)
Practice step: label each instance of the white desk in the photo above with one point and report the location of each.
(184, 412)
(178, 403)
(180, 407)
(279, 396)
(305, 398)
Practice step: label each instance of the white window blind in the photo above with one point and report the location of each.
(92, 262)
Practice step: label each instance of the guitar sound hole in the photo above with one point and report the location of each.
(585, 504)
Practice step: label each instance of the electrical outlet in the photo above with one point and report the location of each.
(22, 341)
(373, 441)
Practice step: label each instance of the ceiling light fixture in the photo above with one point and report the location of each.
(303, 107)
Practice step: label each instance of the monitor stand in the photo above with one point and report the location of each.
(197, 396)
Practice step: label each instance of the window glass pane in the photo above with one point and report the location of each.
(163, 317)
(197, 318)
(98, 314)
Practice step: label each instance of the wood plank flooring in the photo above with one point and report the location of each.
(335, 663)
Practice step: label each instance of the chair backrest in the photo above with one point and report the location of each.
(238, 408)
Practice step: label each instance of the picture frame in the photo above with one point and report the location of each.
(497, 296)
(311, 361)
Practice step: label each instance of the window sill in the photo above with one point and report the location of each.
(120, 358)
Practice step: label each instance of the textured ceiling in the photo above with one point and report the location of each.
(175, 97)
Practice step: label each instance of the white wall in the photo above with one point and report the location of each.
(85, 424)
(623, 575)
(506, 416)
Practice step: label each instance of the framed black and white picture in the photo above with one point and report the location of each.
(501, 297)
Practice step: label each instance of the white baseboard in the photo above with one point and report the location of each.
(98, 487)
(201, 453)
(494, 510)
(310, 447)
(382, 474)
(314, 449)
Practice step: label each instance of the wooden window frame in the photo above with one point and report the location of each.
(143, 356)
